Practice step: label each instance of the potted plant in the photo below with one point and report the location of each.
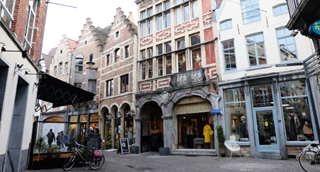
(40, 145)
(221, 138)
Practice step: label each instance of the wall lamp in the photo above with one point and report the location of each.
(3, 49)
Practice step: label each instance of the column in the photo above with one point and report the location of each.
(138, 133)
(167, 131)
(250, 119)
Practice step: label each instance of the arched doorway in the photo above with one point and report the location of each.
(151, 127)
(128, 124)
(107, 125)
(117, 127)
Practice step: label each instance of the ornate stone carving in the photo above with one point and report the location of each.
(164, 97)
(163, 35)
(147, 39)
(192, 25)
(207, 19)
(196, 76)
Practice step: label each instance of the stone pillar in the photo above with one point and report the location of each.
(167, 131)
(216, 141)
(250, 121)
(138, 133)
(278, 120)
(112, 131)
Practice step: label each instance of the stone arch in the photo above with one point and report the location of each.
(144, 100)
(123, 106)
(54, 119)
(114, 107)
(103, 110)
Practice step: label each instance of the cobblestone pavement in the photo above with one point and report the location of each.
(178, 163)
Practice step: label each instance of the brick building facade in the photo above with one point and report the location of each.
(21, 33)
(177, 72)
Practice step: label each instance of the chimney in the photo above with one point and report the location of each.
(130, 17)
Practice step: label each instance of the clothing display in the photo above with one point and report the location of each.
(243, 127)
(235, 123)
(206, 133)
(294, 123)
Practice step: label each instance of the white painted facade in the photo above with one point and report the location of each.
(231, 9)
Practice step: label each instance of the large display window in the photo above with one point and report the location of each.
(236, 116)
(94, 121)
(195, 131)
(296, 111)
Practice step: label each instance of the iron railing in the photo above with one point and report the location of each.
(293, 5)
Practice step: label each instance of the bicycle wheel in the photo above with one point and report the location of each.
(309, 162)
(95, 165)
(69, 162)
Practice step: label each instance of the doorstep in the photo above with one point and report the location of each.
(211, 152)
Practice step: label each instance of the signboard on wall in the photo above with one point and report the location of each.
(314, 29)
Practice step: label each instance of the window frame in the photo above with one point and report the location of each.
(178, 15)
(177, 40)
(195, 11)
(167, 22)
(242, 11)
(159, 8)
(223, 52)
(150, 10)
(109, 83)
(117, 34)
(195, 34)
(108, 62)
(60, 69)
(159, 21)
(55, 69)
(150, 55)
(124, 79)
(66, 67)
(166, 48)
(256, 51)
(294, 41)
(159, 45)
(184, 13)
(150, 26)
(225, 22)
(279, 6)
(126, 51)
(115, 55)
(27, 44)
(143, 14)
(143, 54)
(143, 29)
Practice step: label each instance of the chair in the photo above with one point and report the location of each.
(233, 147)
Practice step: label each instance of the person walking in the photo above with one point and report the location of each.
(91, 132)
(67, 140)
(96, 133)
(62, 140)
(51, 137)
(58, 139)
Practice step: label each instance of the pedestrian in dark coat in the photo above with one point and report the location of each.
(50, 137)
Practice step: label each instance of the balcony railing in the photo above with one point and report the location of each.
(192, 77)
(293, 5)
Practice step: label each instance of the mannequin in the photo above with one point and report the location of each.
(243, 124)
(294, 123)
(235, 123)
(207, 136)
(190, 136)
(306, 125)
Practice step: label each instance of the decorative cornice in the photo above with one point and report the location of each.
(162, 33)
(187, 29)
(148, 38)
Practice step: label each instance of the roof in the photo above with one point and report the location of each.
(72, 44)
(52, 51)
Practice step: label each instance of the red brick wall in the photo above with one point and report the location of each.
(206, 6)
(210, 53)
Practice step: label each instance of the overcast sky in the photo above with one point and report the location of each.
(68, 21)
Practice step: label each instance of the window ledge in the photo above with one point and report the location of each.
(299, 143)
(259, 67)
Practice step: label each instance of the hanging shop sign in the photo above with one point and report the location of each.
(314, 29)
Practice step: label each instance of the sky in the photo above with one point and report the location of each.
(68, 21)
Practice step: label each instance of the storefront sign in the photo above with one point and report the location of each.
(123, 147)
(314, 29)
(215, 111)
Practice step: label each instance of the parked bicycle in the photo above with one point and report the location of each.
(93, 158)
(309, 158)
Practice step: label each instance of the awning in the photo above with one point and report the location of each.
(60, 93)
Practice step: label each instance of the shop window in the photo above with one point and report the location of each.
(195, 39)
(150, 68)
(117, 55)
(159, 8)
(229, 56)
(143, 15)
(167, 5)
(150, 12)
(124, 83)
(126, 49)
(143, 54)
(143, 70)
(186, 13)
(150, 52)
(108, 62)
(225, 25)
(66, 67)
(83, 118)
(159, 23)
(109, 88)
(182, 66)
(256, 50)
(60, 68)
(168, 47)
(73, 118)
(168, 20)
(280, 9)
(296, 111)
(262, 95)
(159, 47)
(55, 71)
(196, 57)
(168, 65)
(236, 116)
(178, 15)
(195, 10)
(160, 66)
(143, 29)
(250, 11)
(287, 45)
(180, 44)
(94, 121)
(150, 26)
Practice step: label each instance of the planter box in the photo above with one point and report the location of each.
(134, 149)
(38, 165)
(164, 151)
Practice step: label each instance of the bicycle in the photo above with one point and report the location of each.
(87, 159)
(309, 158)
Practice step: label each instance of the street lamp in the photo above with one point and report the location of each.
(90, 63)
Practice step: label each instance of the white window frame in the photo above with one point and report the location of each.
(33, 12)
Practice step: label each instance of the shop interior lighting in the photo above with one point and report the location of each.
(285, 105)
(289, 107)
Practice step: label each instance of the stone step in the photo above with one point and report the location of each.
(194, 152)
